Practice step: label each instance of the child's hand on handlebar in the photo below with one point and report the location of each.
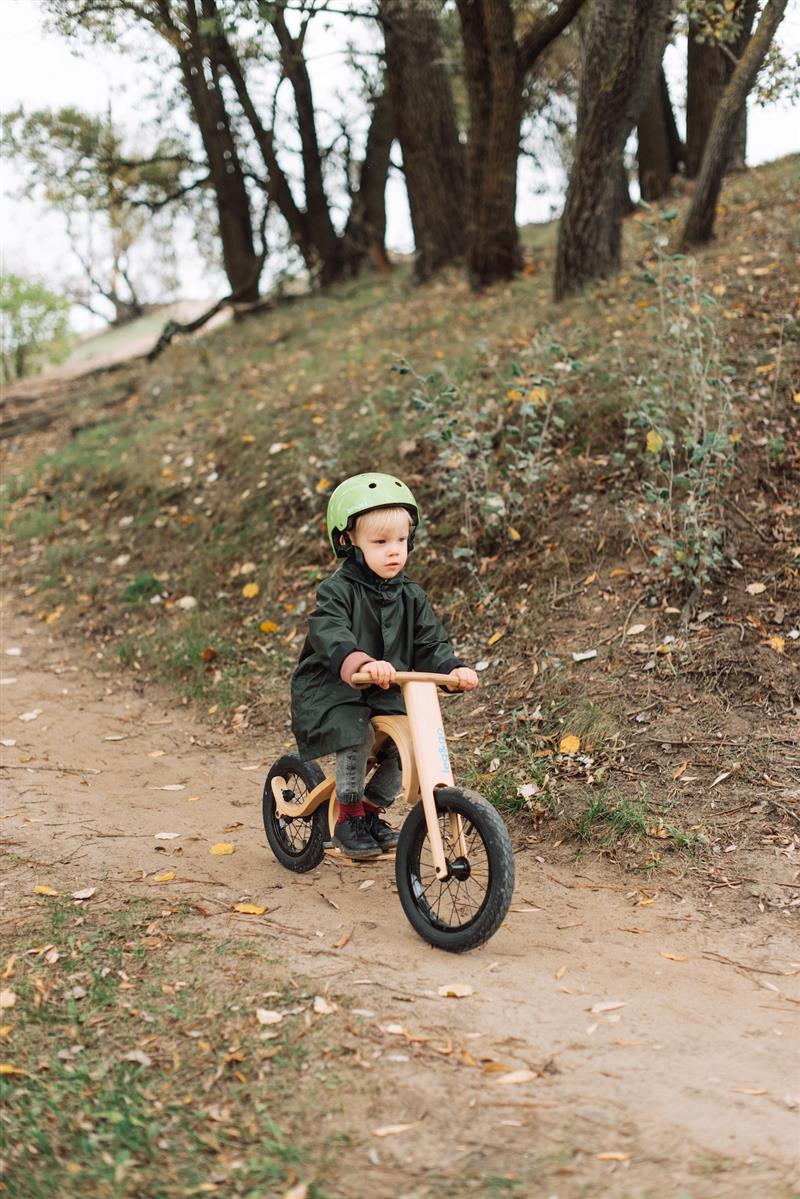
(466, 679)
(381, 673)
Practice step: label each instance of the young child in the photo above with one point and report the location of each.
(371, 619)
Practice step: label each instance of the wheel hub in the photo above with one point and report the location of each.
(459, 869)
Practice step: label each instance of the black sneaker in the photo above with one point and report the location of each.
(386, 836)
(354, 839)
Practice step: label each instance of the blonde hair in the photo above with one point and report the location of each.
(378, 521)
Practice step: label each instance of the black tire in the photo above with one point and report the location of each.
(297, 843)
(464, 910)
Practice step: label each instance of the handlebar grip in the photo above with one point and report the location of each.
(412, 676)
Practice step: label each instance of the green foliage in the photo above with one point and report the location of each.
(34, 325)
(682, 422)
(112, 199)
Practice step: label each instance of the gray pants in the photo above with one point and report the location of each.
(351, 770)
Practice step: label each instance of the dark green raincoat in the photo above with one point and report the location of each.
(389, 619)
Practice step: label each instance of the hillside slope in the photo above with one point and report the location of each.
(616, 474)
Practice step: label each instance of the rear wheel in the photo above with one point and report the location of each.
(463, 910)
(296, 841)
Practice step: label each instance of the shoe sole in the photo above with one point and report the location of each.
(357, 855)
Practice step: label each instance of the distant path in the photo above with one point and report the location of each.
(655, 1028)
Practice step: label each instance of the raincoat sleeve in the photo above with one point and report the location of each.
(330, 628)
(432, 647)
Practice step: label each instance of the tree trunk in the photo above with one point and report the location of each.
(708, 70)
(242, 264)
(699, 225)
(324, 238)
(433, 158)
(496, 64)
(365, 233)
(659, 152)
(494, 88)
(625, 41)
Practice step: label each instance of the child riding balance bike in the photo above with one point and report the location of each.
(365, 689)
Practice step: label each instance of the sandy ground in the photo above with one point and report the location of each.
(655, 1024)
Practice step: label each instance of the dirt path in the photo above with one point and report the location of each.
(654, 1027)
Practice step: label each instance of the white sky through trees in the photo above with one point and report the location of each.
(39, 70)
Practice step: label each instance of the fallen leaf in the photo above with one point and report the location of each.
(635, 629)
(495, 637)
(655, 442)
(249, 909)
(7, 1068)
(569, 744)
(138, 1055)
(367, 883)
(7, 999)
(345, 937)
(166, 836)
(724, 774)
(514, 534)
(455, 990)
(610, 1006)
(322, 1007)
(170, 787)
(264, 1016)
(250, 590)
(511, 1077)
(613, 1157)
(755, 588)
(40, 889)
(86, 893)
(391, 1130)
(681, 770)
(777, 643)
(34, 715)
(298, 1191)
(166, 877)
(268, 626)
(222, 848)
(673, 957)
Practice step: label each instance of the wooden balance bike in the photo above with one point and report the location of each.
(454, 863)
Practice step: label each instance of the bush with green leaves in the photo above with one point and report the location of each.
(34, 325)
(682, 421)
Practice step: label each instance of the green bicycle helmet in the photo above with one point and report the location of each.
(359, 494)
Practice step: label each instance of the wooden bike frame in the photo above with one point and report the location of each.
(424, 760)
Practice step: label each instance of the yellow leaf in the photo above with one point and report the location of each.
(778, 644)
(513, 394)
(42, 890)
(719, 289)
(250, 590)
(569, 744)
(796, 397)
(249, 909)
(537, 396)
(495, 637)
(166, 877)
(322, 485)
(55, 615)
(268, 626)
(221, 848)
(248, 438)
(7, 1068)
(318, 420)
(765, 369)
(672, 957)
(613, 1157)
(619, 573)
(655, 442)
(513, 533)
(592, 578)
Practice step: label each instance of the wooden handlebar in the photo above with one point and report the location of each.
(412, 676)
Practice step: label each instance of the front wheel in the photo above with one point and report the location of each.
(465, 909)
(298, 842)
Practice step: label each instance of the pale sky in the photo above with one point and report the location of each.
(38, 70)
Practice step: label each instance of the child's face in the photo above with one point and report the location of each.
(383, 542)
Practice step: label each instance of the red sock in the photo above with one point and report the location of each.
(347, 811)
